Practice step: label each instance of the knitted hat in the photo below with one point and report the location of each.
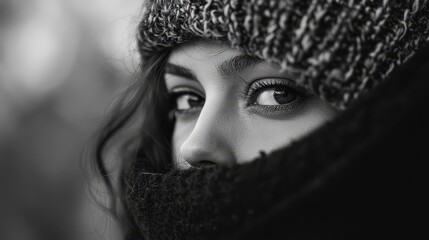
(340, 48)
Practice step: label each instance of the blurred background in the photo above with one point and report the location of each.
(61, 63)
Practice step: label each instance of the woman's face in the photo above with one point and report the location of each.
(230, 106)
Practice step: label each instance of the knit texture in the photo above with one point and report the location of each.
(339, 48)
(360, 176)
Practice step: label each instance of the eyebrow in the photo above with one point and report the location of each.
(226, 69)
(180, 71)
(237, 64)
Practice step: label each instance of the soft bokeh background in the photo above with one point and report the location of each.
(61, 64)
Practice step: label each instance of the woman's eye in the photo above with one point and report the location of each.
(276, 96)
(186, 102)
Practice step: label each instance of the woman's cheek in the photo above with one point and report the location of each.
(252, 133)
(265, 134)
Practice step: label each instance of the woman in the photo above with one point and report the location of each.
(273, 120)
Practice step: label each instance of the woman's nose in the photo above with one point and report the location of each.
(210, 142)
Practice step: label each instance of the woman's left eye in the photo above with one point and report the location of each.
(275, 95)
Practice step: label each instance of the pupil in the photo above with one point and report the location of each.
(194, 101)
(283, 96)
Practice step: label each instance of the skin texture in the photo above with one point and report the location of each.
(226, 126)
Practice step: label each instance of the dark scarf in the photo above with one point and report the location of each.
(358, 176)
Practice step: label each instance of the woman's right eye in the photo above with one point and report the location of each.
(186, 102)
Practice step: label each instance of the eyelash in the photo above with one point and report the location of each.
(249, 95)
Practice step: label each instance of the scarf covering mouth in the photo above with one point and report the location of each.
(339, 48)
(360, 175)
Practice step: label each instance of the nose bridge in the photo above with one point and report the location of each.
(210, 139)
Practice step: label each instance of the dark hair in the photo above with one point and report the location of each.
(144, 104)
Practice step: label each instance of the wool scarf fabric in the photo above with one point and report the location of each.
(339, 48)
(360, 176)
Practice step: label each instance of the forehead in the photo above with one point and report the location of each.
(202, 51)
